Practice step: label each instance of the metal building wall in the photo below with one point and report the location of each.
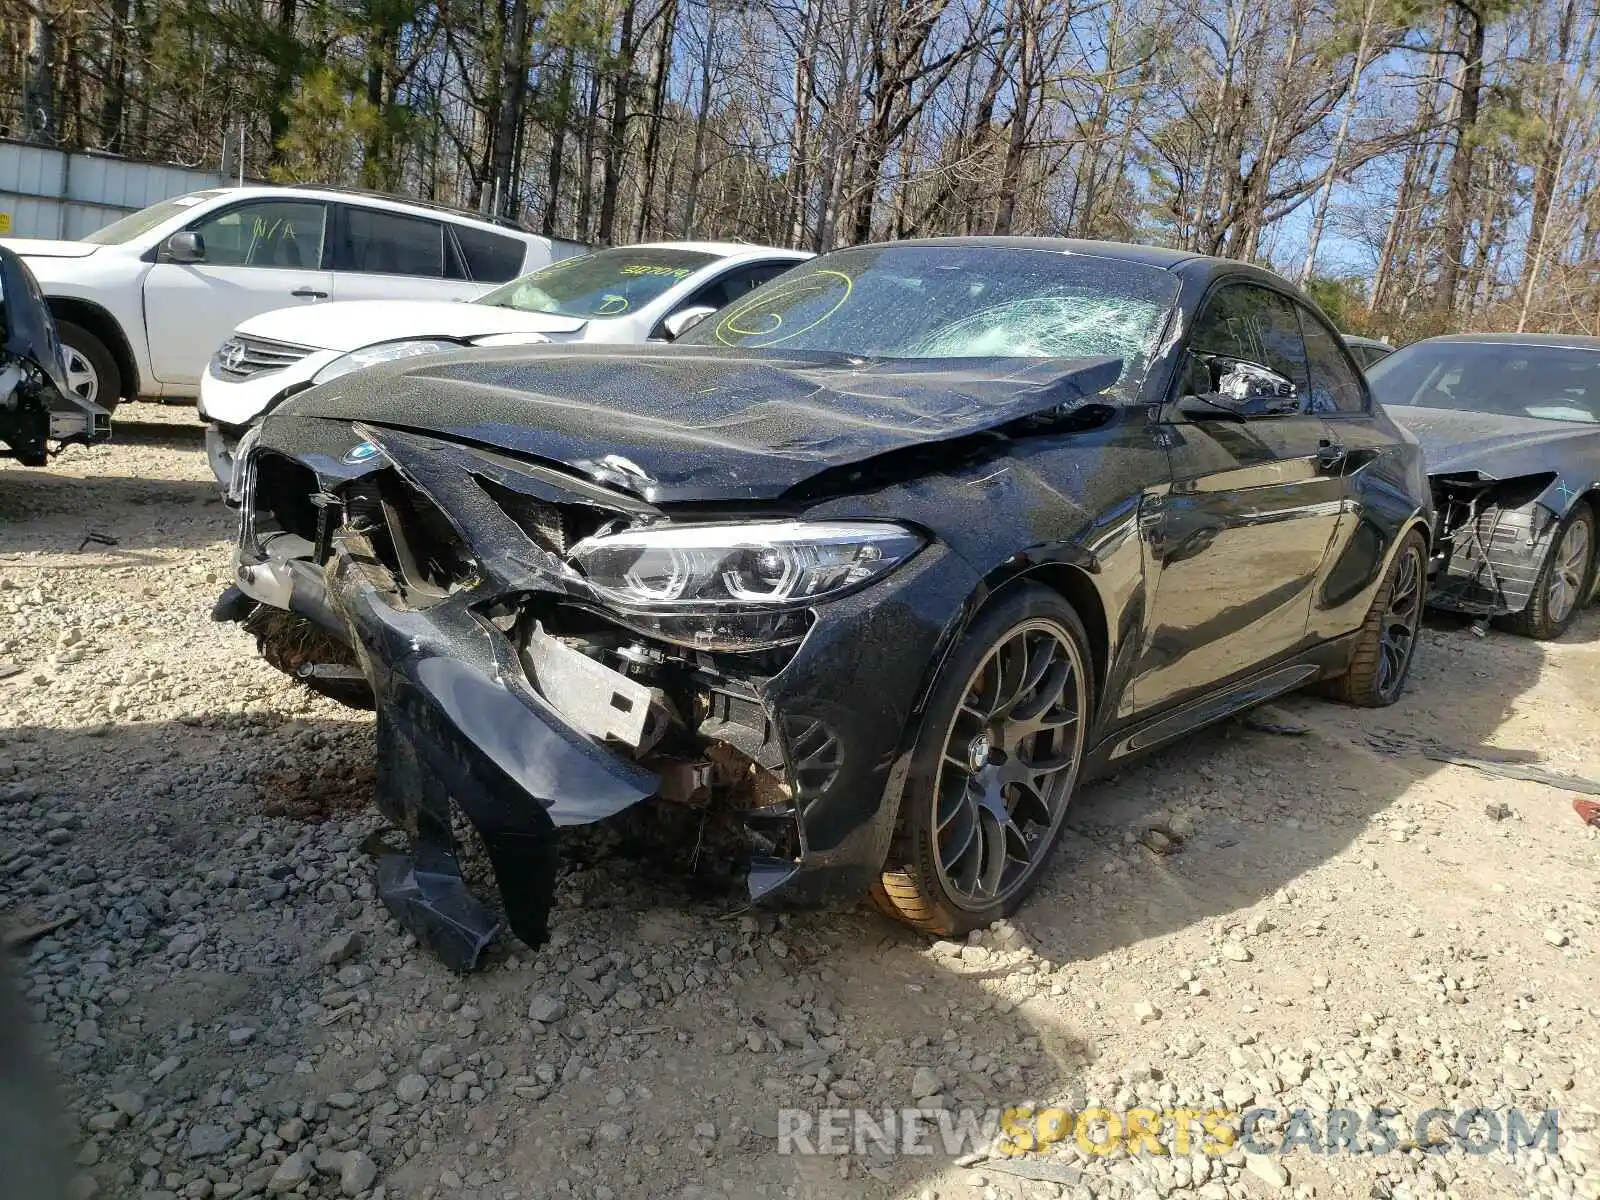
(47, 193)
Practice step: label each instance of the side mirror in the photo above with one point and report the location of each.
(1241, 390)
(675, 326)
(185, 246)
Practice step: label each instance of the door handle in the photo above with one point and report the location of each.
(1330, 454)
(306, 293)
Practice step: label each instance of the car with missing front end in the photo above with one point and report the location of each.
(37, 408)
(876, 565)
(1510, 426)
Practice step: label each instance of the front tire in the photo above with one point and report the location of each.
(92, 372)
(1387, 643)
(994, 766)
(1563, 581)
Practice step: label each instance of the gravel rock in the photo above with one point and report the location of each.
(359, 1174)
(291, 1173)
(436, 1058)
(340, 948)
(131, 1103)
(370, 1082)
(164, 1068)
(546, 1009)
(208, 1141)
(411, 1089)
(1267, 1169)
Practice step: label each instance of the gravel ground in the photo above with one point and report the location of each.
(1323, 921)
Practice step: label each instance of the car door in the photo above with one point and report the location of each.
(381, 254)
(1359, 439)
(259, 255)
(1242, 538)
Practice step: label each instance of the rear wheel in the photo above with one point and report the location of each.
(994, 767)
(1563, 580)
(92, 372)
(1387, 643)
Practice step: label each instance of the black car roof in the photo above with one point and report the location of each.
(1150, 256)
(1573, 341)
(1155, 256)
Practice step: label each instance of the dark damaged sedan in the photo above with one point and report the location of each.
(1510, 424)
(877, 564)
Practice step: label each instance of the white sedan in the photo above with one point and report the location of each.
(629, 294)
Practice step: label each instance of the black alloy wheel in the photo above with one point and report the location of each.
(1386, 644)
(995, 766)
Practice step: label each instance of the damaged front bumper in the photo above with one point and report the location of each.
(1490, 539)
(484, 707)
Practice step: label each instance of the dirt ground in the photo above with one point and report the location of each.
(1337, 922)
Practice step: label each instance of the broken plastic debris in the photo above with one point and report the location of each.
(1272, 720)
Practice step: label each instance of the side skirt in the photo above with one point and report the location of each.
(1325, 660)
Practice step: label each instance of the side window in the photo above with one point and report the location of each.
(268, 233)
(728, 288)
(1256, 324)
(1335, 385)
(491, 257)
(387, 243)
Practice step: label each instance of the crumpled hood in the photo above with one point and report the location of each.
(690, 423)
(42, 248)
(1501, 447)
(350, 324)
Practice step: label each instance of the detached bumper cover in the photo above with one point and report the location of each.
(456, 722)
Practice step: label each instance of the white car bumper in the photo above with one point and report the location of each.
(241, 401)
(230, 406)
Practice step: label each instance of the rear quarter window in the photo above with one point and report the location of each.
(387, 243)
(490, 257)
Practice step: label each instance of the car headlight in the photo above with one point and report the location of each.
(758, 565)
(383, 352)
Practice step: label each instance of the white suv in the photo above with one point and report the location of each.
(143, 303)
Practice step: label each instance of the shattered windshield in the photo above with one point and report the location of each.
(956, 301)
(607, 283)
(1555, 383)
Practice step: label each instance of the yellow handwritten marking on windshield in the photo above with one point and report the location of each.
(756, 319)
(611, 306)
(655, 269)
